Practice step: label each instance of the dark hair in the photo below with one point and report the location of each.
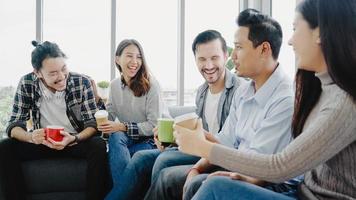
(207, 36)
(262, 28)
(335, 20)
(140, 83)
(43, 51)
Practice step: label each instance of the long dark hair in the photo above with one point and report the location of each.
(140, 83)
(338, 43)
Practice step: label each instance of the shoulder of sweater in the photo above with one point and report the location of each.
(333, 96)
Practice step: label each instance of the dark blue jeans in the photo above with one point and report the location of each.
(221, 188)
(135, 179)
(171, 157)
(121, 148)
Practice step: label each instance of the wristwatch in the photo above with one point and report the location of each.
(76, 139)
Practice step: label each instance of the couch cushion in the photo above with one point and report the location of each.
(55, 175)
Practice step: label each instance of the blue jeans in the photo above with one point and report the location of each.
(221, 188)
(194, 184)
(136, 177)
(121, 148)
(171, 157)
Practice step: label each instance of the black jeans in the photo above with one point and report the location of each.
(13, 152)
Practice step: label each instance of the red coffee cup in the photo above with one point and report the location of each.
(54, 132)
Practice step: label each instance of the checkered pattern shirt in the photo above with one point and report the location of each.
(79, 100)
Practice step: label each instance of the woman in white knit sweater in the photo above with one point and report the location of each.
(324, 121)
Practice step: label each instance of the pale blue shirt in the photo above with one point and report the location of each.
(260, 121)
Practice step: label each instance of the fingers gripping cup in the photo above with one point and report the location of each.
(165, 131)
(101, 117)
(54, 132)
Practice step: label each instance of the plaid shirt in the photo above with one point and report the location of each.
(79, 100)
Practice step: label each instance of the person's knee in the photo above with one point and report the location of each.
(162, 161)
(142, 160)
(194, 183)
(7, 146)
(215, 182)
(118, 138)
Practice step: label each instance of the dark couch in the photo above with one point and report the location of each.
(64, 179)
(55, 179)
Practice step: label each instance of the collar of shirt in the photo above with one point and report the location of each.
(264, 93)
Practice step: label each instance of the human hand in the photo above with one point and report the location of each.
(232, 175)
(188, 139)
(38, 136)
(110, 127)
(157, 142)
(241, 177)
(210, 137)
(59, 145)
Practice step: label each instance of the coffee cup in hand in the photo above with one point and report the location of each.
(101, 117)
(188, 121)
(54, 132)
(165, 131)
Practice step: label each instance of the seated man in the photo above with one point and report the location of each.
(260, 114)
(52, 95)
(213, 101)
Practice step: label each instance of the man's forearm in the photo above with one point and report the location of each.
(86, 133)
(21, 135)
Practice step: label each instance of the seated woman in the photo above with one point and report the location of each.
(323, 124)
(133, 107)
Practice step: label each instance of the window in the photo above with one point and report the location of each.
(17, 30)
(159, 41)
(81, 28)
(283, 12)
(16, 33)
(202, 15)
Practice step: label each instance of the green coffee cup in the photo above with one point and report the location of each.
(165, 130)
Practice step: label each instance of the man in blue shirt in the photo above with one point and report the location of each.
(260, 114)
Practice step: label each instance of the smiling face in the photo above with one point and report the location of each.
(211, 59)
(130, 61)
(306, 45)
(54, 73)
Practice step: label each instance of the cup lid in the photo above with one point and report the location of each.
(101, 113)
(185, 117)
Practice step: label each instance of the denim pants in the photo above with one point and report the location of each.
(136, 177)
(121, 148)
(169, 158)
(221, 188)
